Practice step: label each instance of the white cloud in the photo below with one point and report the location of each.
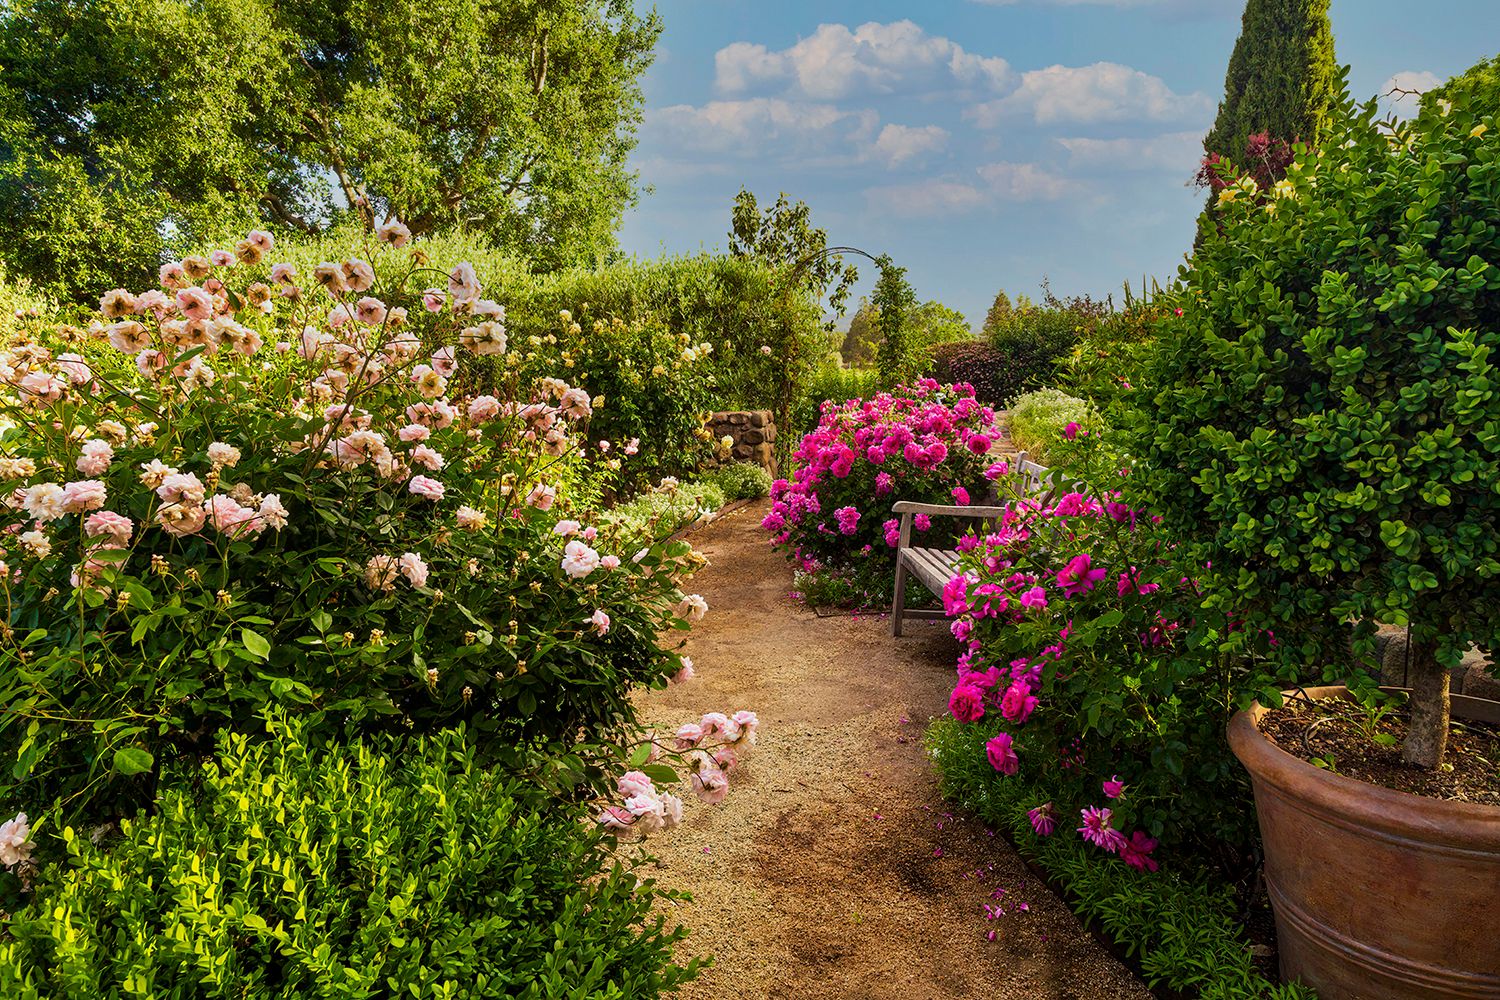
(1409, 80)
(898, 144)
(997, 182)
(1102, 92)
(750, 126)
(1023, 182)
(1175, 152)
(835, 62)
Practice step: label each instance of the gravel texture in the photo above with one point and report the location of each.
(834, 869)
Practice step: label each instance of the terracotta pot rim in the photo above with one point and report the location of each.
(1462, 825)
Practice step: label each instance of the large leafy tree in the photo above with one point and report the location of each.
(1282, 77)
(126, 125)
(1478, 87)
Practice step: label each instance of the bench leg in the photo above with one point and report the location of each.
(898, 602)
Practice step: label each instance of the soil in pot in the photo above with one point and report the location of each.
(1348, 740)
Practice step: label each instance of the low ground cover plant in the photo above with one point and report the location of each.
(926, 442)
(1048, 424)
(287, 867)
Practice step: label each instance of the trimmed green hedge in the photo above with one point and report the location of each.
(1184, 932)
(343, 873)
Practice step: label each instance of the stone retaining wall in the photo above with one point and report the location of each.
(754, 435)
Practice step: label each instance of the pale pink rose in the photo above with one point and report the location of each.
(272, 513)
(181, 519)
(394, 233)
(396, 318)
(542, 497)
(610, 562)
(414, 569)
(469, 519)
(590, 533)
(42, 387)
(414, 432)
(181, 487)
(634, 783)
(150, 361)
(340, 316)
(97, 454)
(717, 725)
(633, 447)
(262, 239)
(381, 573)
(748, 723)
(228, 517)
(44, 502)
(615, 818)
(106, 523)
(359, 276)
(433, 299)
(711, 784)
(427, 489)
(84, 495)
(427, 457)
(128, 336)
(566, 527)
(221, 258)
(579, 560)
(444, 362)
(195, 303)
(685, 674)
(600, 621)
(75, 368)
(172, 275)
(482, 409)
(689, 735)
(463, 283)
(370, 311)
(155, 302)
(15, 841)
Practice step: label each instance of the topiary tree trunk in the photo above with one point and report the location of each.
(1429, 705)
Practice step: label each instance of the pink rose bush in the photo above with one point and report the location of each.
(1089, 681)
(926, 442)
(225, 494)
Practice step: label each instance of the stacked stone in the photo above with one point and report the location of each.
(753, 433)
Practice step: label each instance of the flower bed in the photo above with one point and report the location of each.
(926, 442)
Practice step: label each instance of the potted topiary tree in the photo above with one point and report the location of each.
(1324, 434)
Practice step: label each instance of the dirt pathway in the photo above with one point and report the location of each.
(833, 869)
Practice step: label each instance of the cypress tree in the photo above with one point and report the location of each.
(1282, 76)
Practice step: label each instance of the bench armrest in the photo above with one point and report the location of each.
(947, 510)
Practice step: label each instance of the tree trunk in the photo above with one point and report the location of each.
(1427, 736)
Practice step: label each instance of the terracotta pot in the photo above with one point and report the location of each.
(1378, 894)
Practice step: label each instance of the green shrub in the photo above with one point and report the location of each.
(406, 566)
(1039, 423)
(659, 513)
(284, 871)
(831, 383)
(19, 300)
(1323, 426)
(1184, 930)
(740, 480)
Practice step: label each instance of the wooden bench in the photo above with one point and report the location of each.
(933, 568)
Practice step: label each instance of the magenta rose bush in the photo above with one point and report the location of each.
(1090, 674)
(225, 494)
(925, 442)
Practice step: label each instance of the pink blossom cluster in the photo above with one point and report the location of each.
(709, 749)
(998, 583)
(924, 442)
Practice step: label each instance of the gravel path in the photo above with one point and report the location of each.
(834, 868)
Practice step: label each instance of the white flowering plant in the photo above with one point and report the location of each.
(224, 494)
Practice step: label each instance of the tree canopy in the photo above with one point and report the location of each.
(1479, 85)
(129, 125)
(1281, 79)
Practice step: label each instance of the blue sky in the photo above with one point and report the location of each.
(984, 144)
